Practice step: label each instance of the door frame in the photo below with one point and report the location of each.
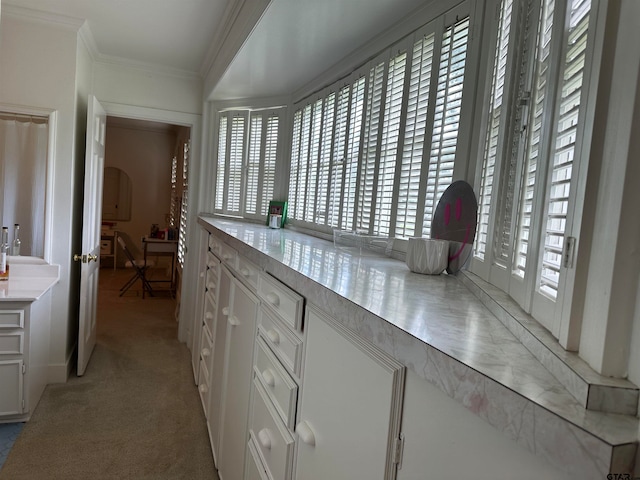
(190, 273)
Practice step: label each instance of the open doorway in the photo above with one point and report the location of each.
(144, 201)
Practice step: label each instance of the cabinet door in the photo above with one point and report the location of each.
(12, 387)
(216, 386)
(241, 331)
(350, 406)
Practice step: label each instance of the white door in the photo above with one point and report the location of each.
(91, 223)
(241, 332)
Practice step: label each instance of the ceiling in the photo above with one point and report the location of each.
(294, 41)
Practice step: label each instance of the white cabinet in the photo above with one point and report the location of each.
(349, 412)
(24, 356)
(241, 329)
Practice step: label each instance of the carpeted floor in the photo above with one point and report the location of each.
(135, 414)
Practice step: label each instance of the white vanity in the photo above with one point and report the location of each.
(25, 326)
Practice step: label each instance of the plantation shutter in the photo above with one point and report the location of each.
(295, 164)
(370, 148)
(253, 165)
(222, 160)
(236, 159)
(496, 125)
(353, 154)
(269, 163)
(389, 144)
(564, 147)
(339, 153)
(312, 166)
(324, 163)
(414, 138)
(448, 103)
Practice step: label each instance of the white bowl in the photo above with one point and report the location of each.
(427, 255)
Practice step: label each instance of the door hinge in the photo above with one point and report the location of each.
(24, 369)
(398, 449)
(567, 252)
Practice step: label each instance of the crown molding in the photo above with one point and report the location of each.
(146, 67)
(39, 16)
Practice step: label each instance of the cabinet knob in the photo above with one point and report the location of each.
(269, 377)
(264, 438)
(245, 272)
(273, 299)
(208, 315)
(225, 311)
(233, 321)
(206, 352)
(203, 388)
(273, 336)
(201, 274)
(305, 433)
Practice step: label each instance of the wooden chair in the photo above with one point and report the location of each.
(139, 267)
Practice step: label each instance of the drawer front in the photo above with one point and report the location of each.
(280, 387)
(228, 256)
(209, 314)
(274, 442)
(248, 272)
(206, 348)
(286, 303)
(203, 386)
(12, 319)
(213, 275)
(254, 469)
(214, 245)
(286, 345)
(11, 343)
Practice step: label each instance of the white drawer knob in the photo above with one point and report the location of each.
(273, 299)
(208, 315)
(201, 274)
(211, 286)
(273, 336)
(269, 377)
(305, 433)
(203, 388)
(245, 272)
(264, 438)
(233, 321)
(225, 311)
(206, 352)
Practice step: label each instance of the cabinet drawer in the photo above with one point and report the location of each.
(214, 245)
(209, 314)
(286, 345)
(249, 272)
(206, 348)
(228, 256)
(212, 260)
(11, 343)
(212, 276)
(286, 303)
(203, 386)
(274, 442)
(280, 387)
(254, 469)
(12, 319)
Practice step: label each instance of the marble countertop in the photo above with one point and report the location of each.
(29, 279)
(437, 327)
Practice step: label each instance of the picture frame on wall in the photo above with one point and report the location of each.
(277, 208)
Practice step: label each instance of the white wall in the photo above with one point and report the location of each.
(39, 70)
(145, 155)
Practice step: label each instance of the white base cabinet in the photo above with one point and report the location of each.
(349, 414)
(24, 356)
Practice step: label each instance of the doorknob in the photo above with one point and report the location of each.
(85, 258)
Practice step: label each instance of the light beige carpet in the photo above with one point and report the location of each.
(135, 414)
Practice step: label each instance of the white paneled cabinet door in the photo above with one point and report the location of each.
(349, 417)
(241, 330)
(216, 386)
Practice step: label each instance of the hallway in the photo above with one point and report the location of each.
(136, 412)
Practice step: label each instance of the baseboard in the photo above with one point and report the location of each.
(59, 373)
